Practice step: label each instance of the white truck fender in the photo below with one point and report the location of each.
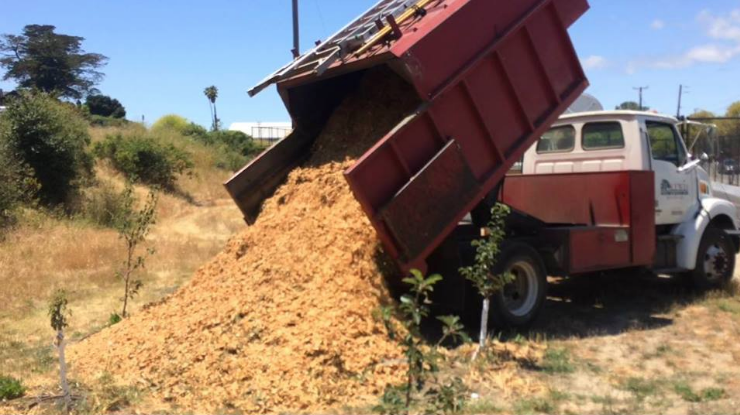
(693, 230)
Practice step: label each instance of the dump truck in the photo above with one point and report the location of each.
(493, 77)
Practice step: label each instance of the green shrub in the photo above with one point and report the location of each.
(228, 159)
(101, 205)
(233, 149)
(237, 141)
(144, 158)
(10, 388)
(171, 122)
(114, 319)
(51, 138)
(196, 132)
(13, 184)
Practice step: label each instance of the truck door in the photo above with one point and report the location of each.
(675, 189)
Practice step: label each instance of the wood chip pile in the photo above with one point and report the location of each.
(282, 320)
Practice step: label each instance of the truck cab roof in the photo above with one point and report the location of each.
(598, 141)
(617, 114)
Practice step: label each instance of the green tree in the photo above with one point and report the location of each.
(51, 138)
(105, 106)
(702, 114)
(422, 363)
(699, 139)
(734, 109)
(51, 62)
(631, 106)
(133, 226)
(731, 128)
(481, 273)
(59, 316)
(212, 94)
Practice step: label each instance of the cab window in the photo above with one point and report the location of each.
(557, 140)
(603, 136)
(665, 143)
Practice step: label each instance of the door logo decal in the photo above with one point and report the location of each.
(668, 189)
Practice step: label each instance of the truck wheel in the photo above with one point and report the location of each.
(715, 260)
(520, 301)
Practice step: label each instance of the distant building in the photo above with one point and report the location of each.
(264, 131)
(2, 109)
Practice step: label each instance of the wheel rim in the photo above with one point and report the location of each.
(520, 295)
(716, 262)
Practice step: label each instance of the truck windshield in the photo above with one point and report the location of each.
(558, 140)
(664, 143)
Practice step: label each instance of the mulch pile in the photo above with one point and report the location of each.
(282, 320)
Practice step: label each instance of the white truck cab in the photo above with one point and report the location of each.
(685, 205)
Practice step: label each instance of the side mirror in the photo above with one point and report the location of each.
(689, 166)
(704, 157)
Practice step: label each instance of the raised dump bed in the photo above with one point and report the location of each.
(492, 75)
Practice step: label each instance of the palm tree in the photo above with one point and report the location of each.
(212, 94)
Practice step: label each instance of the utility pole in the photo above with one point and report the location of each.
(296, 34)
(682, 89)
(640, 89)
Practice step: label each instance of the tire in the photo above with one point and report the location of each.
(519, 303)
(715, 260)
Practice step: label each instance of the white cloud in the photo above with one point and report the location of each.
(724, 30)
(712, 53)
(594, 62)
(657, 24)
(700, 54)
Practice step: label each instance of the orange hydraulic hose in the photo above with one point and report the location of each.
(385, 31)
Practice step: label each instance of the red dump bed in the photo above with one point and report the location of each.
(493, 75)
(496, 75)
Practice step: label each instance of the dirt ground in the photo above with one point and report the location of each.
(626, 343)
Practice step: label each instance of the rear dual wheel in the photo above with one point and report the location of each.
(715, 260)
(520, 301)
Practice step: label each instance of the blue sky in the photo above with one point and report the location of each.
(163, 53)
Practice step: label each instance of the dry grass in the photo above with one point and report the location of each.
(45, 253)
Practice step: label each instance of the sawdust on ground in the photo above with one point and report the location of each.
(282, 320)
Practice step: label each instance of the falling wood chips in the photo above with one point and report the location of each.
(282, 320)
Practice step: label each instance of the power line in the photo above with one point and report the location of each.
(321, 17)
